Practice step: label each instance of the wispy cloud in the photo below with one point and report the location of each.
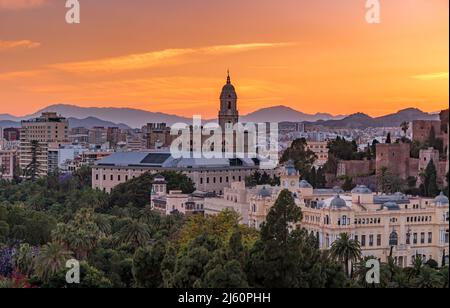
(20, 4)
(23, 44)
(432, 76)
(160, 58)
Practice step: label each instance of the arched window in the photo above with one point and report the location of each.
(393, 239)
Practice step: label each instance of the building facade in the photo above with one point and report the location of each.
(37, 137)
(208, 175)
(385, 225)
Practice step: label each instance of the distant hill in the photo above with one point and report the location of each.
(89, 122)
(135, 118)
(285, 114)
(361, 120)
(8, 123)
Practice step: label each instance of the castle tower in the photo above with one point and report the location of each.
(228, 114)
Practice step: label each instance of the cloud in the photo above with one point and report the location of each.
(21, 74)
(20, 4)
(24, 44)
(432, 76)
(159, 58)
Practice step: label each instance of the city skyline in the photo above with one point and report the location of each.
(312, 57)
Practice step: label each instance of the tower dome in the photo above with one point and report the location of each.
(338, 203)
(441, 200)
(228, 90)
(361, 189)
(392, 206)
(228, 114)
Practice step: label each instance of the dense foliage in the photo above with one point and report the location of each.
(120, 242)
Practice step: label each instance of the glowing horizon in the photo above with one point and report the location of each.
(172, 56)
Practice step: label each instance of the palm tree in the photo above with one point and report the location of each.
(428, 279)
(135, 234)
(346, 250)
(417, 264)
(51, 259)
(444, 274)
(404, 126)
(24, 260)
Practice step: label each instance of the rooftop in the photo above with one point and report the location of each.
(165, 160)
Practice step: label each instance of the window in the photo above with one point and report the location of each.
(408, 238)
(363, 240)
(379, 240)
(422, 238)
(393, 239)
(415, 238)
(430, 237)
(371, 240)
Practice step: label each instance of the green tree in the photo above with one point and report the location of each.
(25, 260)
(221, 272)
(343, 149)
(388, 182)
(280, 257)
(348, 184)
(302, 157)
(147, 266)
(51, 259)
(388, 138)
(404, 126)
(346, 250)
(33, 169)
(81, 234)
(90, 278)
(137, 191)
(429, 181)
(134, 234)
(428, 279)
(4, 231)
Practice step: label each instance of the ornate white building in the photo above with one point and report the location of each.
(383, 224)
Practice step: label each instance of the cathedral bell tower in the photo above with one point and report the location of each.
(228, 114)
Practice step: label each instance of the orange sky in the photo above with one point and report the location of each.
(172, 55)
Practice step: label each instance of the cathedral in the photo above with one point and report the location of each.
(228, 114)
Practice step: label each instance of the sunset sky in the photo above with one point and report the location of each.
(172, 55)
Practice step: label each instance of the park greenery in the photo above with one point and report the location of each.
(121, 243)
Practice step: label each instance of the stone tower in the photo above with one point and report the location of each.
(228, 114)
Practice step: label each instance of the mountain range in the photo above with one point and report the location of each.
(134, 118)
(362, 120)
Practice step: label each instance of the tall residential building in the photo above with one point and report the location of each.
(113, 136)
(157, 136)
(8, 164)
(98, 136)
(38, 135)
(11, 134)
